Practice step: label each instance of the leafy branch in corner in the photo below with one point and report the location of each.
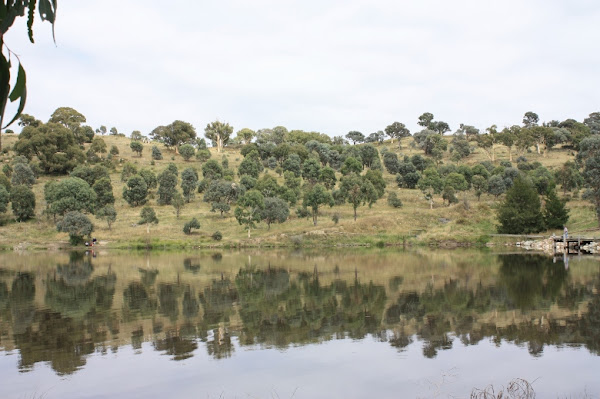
(9, 11)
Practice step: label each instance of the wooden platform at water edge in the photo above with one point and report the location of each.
(572, 245)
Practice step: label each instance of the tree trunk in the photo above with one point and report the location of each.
(314, 218)
(537, 147)
(509, 154)
(248, 231)
(355, 214)
(147, 228)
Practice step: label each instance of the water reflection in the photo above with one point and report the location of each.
(61, 314)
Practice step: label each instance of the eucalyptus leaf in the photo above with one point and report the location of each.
(19, 91)
(30, 18)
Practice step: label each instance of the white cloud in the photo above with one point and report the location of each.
(328, 66)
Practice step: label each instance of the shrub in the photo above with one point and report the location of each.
(192, 224)
(77, 225)
(187, 151)
(23, 203)
(302, 212)
(217, 236)
(136, 147)
(109, 214)
(156, 154)
(335, 218)
(4, 199)
(22, 174)
(148, 216)
(136, 191)
(394, 201)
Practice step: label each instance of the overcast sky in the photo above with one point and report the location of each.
(327, 66)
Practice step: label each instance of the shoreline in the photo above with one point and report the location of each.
(299, 241)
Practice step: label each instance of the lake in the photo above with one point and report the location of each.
(274, 324)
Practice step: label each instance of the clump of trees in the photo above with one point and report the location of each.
(521, 211)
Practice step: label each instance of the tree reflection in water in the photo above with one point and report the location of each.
(274, 307)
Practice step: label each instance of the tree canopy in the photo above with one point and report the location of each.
(54, 146)
(174, 134)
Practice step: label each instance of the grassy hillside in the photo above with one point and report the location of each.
(413, 223)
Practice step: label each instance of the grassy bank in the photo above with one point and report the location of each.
(470, 222)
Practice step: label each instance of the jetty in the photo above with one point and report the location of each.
(572, 245)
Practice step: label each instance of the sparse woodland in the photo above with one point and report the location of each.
(292, 188)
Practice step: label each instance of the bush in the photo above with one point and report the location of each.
(109, 214)
(148, 216)
(302, 212)
(77, 225)
(394, 201)
(23, 203)
(129, 170)
(136, 147)
(335, 218)
(192, 224)
(202, 185)
(5, 182)
(187, 151)
(203, 155)
(156, 154)
(7, 170)
(22, 174)
(4, 199)
(136, 191)
(217, 236)
(449, 195)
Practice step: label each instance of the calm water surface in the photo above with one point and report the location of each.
(383, 324)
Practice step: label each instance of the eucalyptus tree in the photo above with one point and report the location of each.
(54, 146)
(355, 137)
(189, 183)
(77, 225)
(276, 211)
(136, 147)
(219, 133)
(174, 134)
(398, 131)
(222, 194)
(246, 135)
(136, 191)
(315, 197)
(249, 209)
(358, 190)
(70, 194)
(22, 203)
